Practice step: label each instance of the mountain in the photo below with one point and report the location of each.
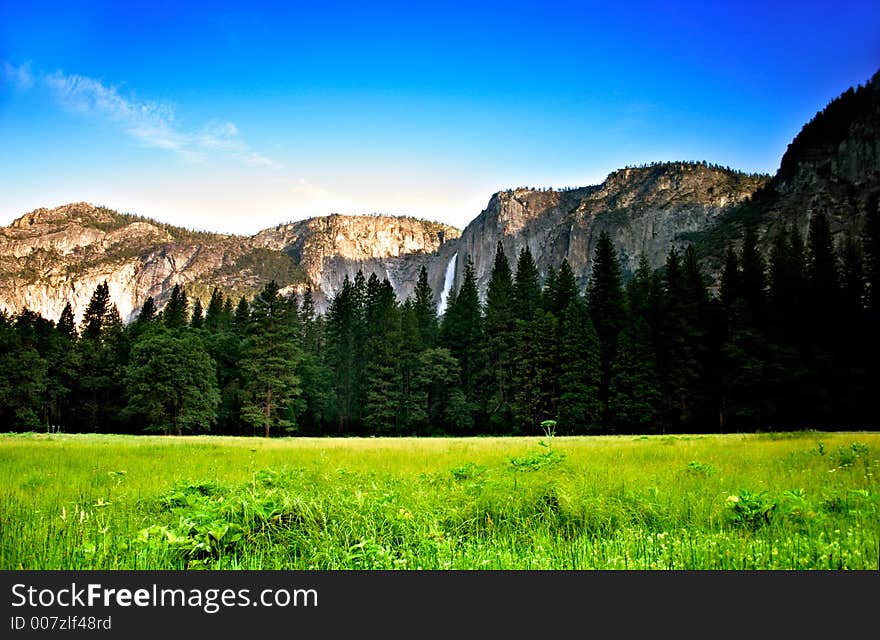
(646, 210)
(832, 166)
(51, 256)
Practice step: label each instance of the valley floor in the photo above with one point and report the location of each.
(801, 500)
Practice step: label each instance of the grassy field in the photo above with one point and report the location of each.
(805, 500)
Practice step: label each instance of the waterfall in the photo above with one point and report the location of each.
(447, 284)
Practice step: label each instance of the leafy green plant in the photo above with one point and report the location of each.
(467, 471)
(700, 468)
(848, 456)
(750, 510)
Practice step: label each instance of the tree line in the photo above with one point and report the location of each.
(784, 342)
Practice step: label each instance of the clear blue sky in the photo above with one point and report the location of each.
(237, 116)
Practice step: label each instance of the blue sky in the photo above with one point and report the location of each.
(238, 116)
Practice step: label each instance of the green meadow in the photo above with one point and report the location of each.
(803, 500)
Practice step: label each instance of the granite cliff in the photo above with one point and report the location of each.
(51, 256)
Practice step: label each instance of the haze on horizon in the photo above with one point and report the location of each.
(229, 118)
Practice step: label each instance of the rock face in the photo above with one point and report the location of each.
(832, 166)
(645, 210)
(51, 256)
(334, 247)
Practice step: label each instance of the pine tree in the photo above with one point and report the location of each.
(269, 361)
(461, 332)
(500, 344)
(214, 315)
(634, 394)
(550, 291)
(731, 281)
(606, 305)
(822, 268)
(242, 316)
(425, 310)
(382, 375)
(566, 289)
(682, 338)
(197, 321)
(526, 289)
(787, 337)
(822, 308)
(580, 409)
(67, 324)
(342, 335)
(754, 281)
(436, 387)
(311, 326)
(97, 315)
(175, 313)
(97, 396)
(534, 377)
(148, 311)
(871, 253)
(852, 378)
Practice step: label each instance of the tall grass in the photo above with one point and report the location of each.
(805, 500)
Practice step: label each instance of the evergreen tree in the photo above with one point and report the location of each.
(171, 383)
(461, 332)
(535, 378)
(242, 316)
(580, 410)
(871, 256)
(98, 314)
(550, 291)
(526, 289)
(342, 335)
(606, 305)
(436, 388)
(852, 380)
(634, 394)
(382, 375)
(23, 380)
(67, 324)
(500, 343)
(224, 344)
(786, 336)
(754, 282)
(566, 289)
(215, 317)
(852, 276)
(731, 281)
(269, 361)
(682, 333)
(822, 267)
(175, 313)
(197, 321)
(97, 394)
(311, 324)
(425, 310)
(822, 315)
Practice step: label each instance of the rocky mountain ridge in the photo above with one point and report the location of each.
(51, 256)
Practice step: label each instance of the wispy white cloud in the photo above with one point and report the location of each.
(152, 124)
(19, 77)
